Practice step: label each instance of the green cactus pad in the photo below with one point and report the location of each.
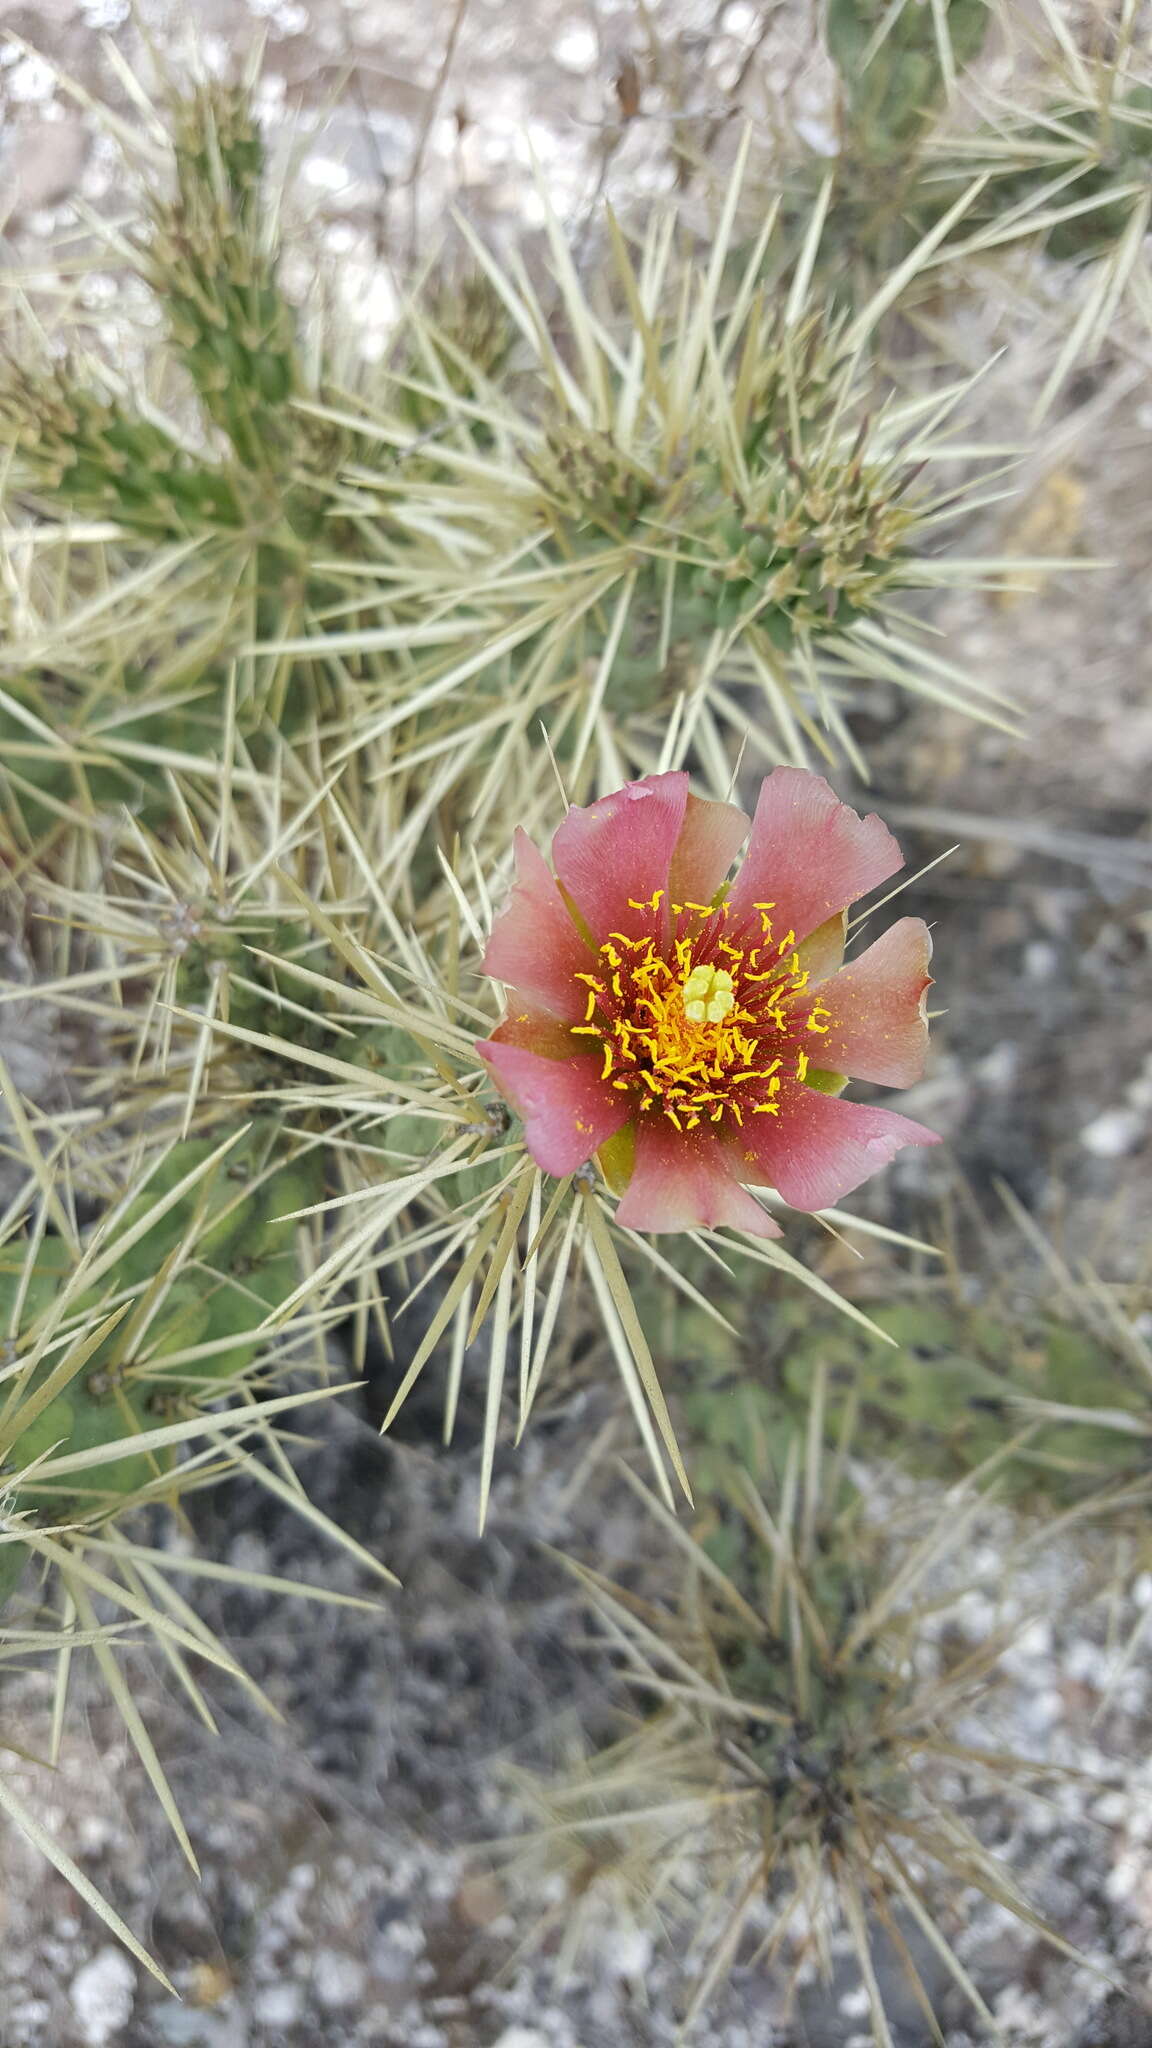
(209, 1270)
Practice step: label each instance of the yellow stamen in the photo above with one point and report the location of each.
(686, 1036)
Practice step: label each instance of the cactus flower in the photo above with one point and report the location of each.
(694, 1034)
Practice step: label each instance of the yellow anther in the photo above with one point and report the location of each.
(708, 995)
(692, 1038)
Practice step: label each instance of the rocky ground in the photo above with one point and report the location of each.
(345, 1899)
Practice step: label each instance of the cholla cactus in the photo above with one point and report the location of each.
(91, 453)
(166, 1301)
(273, 692)
(1075, 169)
(896, 61)
(456, 345)
(706, 494)
(804, 530)
(244, 496)
(138, 1369)
(213, 260)
(785, 1777)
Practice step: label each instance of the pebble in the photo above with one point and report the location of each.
(819, 134)
(278, 2005)
(855, 2004)
(1140, 1090)
(522, 2037)
(103, 1994)
(30, 79)
(337, 1979)
(104, 15)
(31, 2015)
(187, 2026)
(395, 1955)
(999, 1067)
(576, 47)
(626, 1952)
(1041, 960)
(324, 174)
(1113, 1133)
(47, 162)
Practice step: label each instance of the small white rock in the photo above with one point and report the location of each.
(576, 47)
(998, 1069)
(1140, 1091)
(337, 1979)
(32, 2014)
(1041, 960)
(855, 2005)
(626, 1952)
(1114, 1809)
(1034, 1640)
(278, 2005)
(522, 2037)
(30, 79)
(1113, 1133)
(103, 1994)
(1044, 1708)
(104, 14)
(325, 174)
(820, 136)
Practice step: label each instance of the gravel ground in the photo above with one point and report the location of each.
(343, 1900)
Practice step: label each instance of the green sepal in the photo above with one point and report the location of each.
(616, 1158)
(825, 1082)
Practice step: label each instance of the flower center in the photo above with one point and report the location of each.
(704, 1026)
(707, 995)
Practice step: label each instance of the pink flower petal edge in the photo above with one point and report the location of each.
(710, 838)
(535, 946)
(533, 1030)
(567, 1109)
(878, 1030)
(820, 1147)
(686, 1182)
(809, 854)
(618, 852)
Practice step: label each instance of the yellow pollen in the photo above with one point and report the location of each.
(686, 1037)
(708, 995)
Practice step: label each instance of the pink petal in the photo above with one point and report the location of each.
(534, 1031)
(710, 838)
(809, 854)
(683, 1180)
(878, 1030)
(535, 946)
(820, 1147)
(567, 1109)
(621, 848)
